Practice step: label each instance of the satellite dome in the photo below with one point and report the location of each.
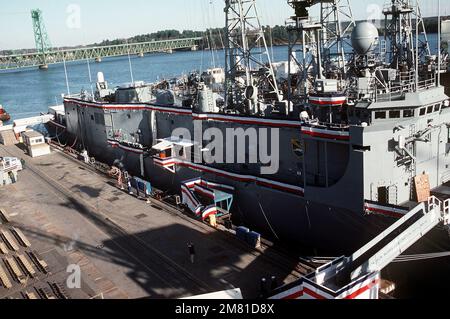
(364, 38)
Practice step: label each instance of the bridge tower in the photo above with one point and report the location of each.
(41, 38)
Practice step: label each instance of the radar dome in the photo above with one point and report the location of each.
(364, 38)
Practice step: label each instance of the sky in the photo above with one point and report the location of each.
(77, 22)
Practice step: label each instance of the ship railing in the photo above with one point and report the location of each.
(427, 84)
(72, 96)
(408, 83)
(389, 8)
(302, 23)
(327, 125)
(397, 92)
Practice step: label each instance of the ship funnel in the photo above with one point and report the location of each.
(365, 38)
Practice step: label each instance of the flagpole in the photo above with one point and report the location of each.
(439, 43)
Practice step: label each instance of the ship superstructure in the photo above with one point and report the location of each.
(327, 161)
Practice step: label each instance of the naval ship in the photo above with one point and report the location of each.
(328, 146)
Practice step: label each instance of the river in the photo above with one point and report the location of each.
(29, 92)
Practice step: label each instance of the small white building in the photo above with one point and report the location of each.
(9, 166)
(35, 143)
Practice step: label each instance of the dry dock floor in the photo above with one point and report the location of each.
(125, 247)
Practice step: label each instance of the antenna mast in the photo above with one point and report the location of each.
(399, 32)
(245, 72)
(323, 42)
(337, 21)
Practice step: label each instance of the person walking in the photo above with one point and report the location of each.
(127, 179)
(191, 249)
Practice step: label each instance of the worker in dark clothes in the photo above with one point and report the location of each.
(191, 249)
(128, 182)
(137, 188)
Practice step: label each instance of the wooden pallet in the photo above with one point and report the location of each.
(21, 237)
(39, 262)
(15, 270)
(4, 217)
(22, 260)
(9, 240)
(3, 249)
(29, 295)
(4, 279)
(59, 291)
(45, 293)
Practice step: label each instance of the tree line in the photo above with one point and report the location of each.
(212, 38)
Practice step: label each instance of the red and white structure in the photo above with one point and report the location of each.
(325, 133)
(358, 276)
(375, 208)
(213, 192)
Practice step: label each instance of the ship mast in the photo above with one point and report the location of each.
(245, 69)
(405, 26)
(337, 21)
(322, 53)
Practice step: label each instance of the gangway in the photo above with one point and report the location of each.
(219, 198)
(21, 125)
(358, 276)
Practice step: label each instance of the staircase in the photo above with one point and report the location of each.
(8, 137)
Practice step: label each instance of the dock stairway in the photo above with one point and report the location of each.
(7, 137)
(358, 276)
(206, 199)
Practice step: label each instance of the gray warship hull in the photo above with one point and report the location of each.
(323, 208)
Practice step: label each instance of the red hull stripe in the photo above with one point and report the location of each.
(323, 102)
(180, 111)
(343, 136)
(247, 121)
(398, 212)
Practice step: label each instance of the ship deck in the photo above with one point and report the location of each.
(125, 248)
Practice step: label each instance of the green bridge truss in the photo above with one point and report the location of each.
(44, 58)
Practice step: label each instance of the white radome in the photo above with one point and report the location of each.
(365, 38)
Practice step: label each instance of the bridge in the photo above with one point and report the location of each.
(45, 55)
(43, 59)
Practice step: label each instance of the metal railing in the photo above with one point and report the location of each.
(408, 83)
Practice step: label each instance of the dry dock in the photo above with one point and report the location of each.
(71, 215)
